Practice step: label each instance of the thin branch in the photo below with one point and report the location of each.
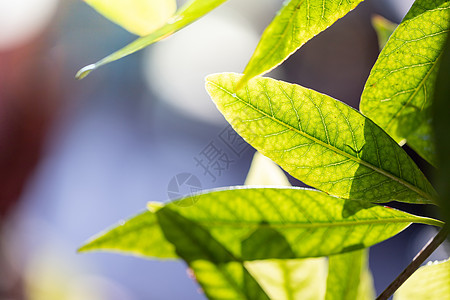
(415, 263)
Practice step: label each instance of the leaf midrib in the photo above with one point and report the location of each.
(284, 225)
(339, 151)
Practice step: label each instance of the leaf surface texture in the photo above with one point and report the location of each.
(296, 23)
(398, 93)
(319, 140)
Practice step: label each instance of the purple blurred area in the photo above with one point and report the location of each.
(78, 156)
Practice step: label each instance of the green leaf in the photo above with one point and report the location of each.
(366, 288)
(398, 93)
(296, 23)
(384, 29)
(187, 14)
(290, 278)
(291, 222)
(216, 280)
(319, 140)
(219, 272)
(428, 282)
(349, 277)
(139, 236)
(441, 125)
(140, 17)
(284, 278)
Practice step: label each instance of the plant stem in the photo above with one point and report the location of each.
(415, 263)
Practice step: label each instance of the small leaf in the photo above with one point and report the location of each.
(319, 140)
(428, 282)
(305, 223)
(397, 95)
(187, 14)
(139, 236)
(296, 23)
(384, 29)
(349, 277)
(137, 16)
(263, 171)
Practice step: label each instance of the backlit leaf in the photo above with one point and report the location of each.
(216, 280)
(139, 236)
(137, 16)
(349, 277)
(219, 272)
(291, 278)
(429, 282)
(284, 278)
(290, 222)
(398, 93)
(187, 14)
(296, 23)
(319, 140)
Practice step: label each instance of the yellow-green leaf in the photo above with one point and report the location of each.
(430, 282)
(187, 14)
(349, 277)
(284, 278)
(220, 273)
(290, 278)
(398, 93)
(140, 17)
(139, 236)
(296, 23)
(319, 140)
(290, 222)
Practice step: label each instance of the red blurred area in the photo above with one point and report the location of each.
(29, 92)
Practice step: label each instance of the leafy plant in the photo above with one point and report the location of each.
(260, 242)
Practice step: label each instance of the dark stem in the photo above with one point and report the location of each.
(415, 263)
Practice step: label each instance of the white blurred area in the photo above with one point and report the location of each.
(178, 76)
(223, 41)
(21, 20)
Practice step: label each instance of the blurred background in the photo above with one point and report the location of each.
(78, 156)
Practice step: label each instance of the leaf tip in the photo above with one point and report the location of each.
(154, 206)
(211, 77)
(83, 72)
(83, 248)
(210, 83)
